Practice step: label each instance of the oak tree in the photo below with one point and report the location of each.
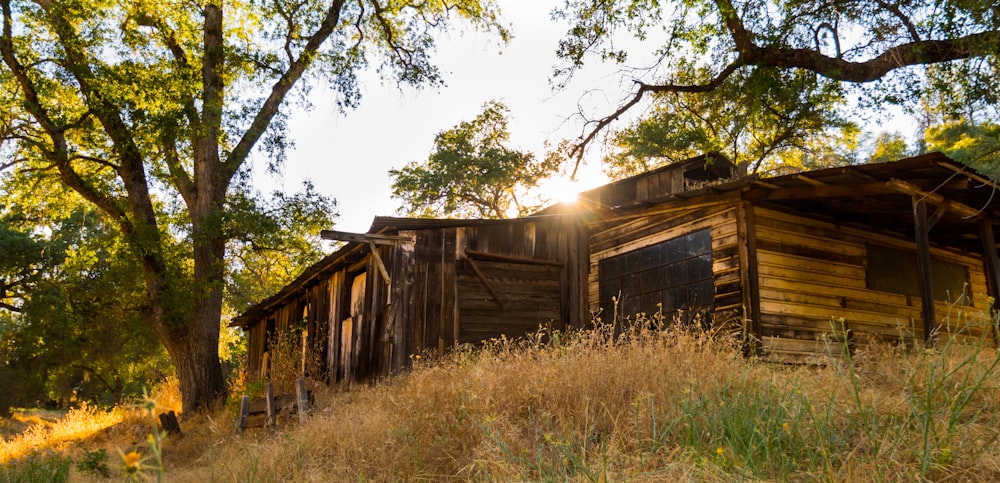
(142, 105)
(472, 172)
(877, 45)
(746, 120)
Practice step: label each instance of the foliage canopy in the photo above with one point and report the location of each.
(472, 172)
(881, 47)
(153, 111)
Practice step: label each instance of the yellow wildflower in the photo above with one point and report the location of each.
(132, 460)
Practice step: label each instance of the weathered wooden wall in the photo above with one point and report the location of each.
(659, 224)
(812, 274)
(364, 322)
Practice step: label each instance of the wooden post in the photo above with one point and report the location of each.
(990, 259)
(302, 396)
(168, 421)
(992, 264)
(749, 277)
(244, 412)
(924, 276)
(272, 412)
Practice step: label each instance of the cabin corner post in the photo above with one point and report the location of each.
(925, 277)
(991, 261)
(749, 278)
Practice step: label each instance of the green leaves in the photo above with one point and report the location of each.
(150, 110)
(849, 42)
(762, 118)
(471, 172)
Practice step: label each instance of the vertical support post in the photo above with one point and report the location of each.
(992, 264)
(244, 412)
(272, 411)
(265, 365)
(441, 289)
(925, 278)
(302, 397)
(990, 259)
(749, 280)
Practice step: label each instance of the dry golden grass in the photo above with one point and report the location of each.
(649, 406)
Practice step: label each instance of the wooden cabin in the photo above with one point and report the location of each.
(804, 265)
(409, 286)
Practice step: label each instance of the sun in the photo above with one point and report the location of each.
(562, 190)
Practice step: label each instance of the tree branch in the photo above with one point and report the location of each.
(5, 305)
(169, 39)
(914, 35)
(182, 180)
(599, 125)
(280, 90)
(916, 52)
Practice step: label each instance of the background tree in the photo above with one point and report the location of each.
(77, 332)
(144, 106)
(849, 41)
(744, 119)
(889, 146)
(472, 173)
(74, 333)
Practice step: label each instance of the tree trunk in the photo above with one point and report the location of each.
(198, 367)
(199, 371)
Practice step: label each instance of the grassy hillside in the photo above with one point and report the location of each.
(646, 406)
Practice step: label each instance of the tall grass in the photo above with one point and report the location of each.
(643, 404)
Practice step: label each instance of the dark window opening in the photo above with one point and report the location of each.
(895, 271)
(677, 274)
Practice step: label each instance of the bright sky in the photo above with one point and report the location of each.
(348, 156)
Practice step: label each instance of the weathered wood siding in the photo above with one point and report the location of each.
(812, 276)
(659, 224)
(364, 322)
(433, 310)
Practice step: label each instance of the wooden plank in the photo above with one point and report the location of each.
(749, 273)
(486, 283)
(361, 237)
(810, 192)
(924, 275)
(272, 409)
(796, 263)
(244, 414)
(785, 273)
(936, 198)
(380, 264)
(991, 261)
(651, 230)
(775, 344)
(302, 399)
(404, 307)
(473, 254)
(811, 310)
(337, 294)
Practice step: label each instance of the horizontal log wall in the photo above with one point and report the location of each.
(658, 225)
(534, 276)
(529, 294)
(812, 277)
